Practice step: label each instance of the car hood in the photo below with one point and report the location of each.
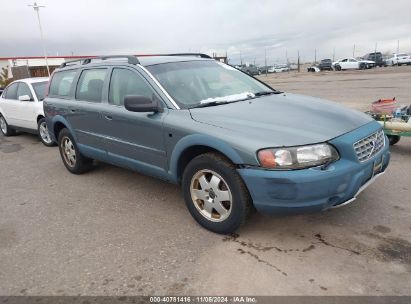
(282, 119)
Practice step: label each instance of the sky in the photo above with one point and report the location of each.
(246, 30)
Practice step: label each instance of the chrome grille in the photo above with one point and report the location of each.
(367, 147)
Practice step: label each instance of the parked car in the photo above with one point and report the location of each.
(229, 140)
(399, 59)
(279, 68)
(251, 70)
(375, 57)
(266, 69)
(21, 108)
(352, 64)
(326, 65)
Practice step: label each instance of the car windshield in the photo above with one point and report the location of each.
(193, 83)
(40, 89)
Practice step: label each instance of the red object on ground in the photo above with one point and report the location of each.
(384, 106)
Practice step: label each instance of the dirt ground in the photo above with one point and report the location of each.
(116, 232)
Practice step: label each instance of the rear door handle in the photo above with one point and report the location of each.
(73, 110)
(108, 117)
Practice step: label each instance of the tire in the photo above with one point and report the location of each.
(215, 171)
(338, 68)
(4, 127)
(43, 133)
(393, 139)
(74, 161)
(363, 66)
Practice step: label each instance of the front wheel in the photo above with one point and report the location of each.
(393, 139)
(215, 194)
(4, 127)
(74, 161)
(44, 134)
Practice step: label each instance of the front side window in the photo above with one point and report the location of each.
(61, 83)
(40, 89)
(24, 89)
(90, 85)
(191, 83)
(125, 82)
(11, 92)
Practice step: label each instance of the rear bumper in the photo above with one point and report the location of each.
(313, 190)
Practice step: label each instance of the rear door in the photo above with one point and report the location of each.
(133, 139)
(9, 104)
(85, 110)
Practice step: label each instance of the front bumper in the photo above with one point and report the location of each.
(313, 189)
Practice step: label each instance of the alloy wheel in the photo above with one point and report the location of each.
(68, 151)
(211, 195)
(44, 133)
(3, 125)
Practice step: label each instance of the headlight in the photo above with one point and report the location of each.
(297, 157)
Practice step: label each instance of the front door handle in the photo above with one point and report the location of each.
(108, 117)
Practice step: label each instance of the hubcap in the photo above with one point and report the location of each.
(211, 195)
(44, 133)
(68, 151)
(3, 125)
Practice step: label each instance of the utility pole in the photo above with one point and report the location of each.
(265, 58)
(353, 51)
(334, 54)
(315, 56)
(36, 9)
(241, 59)
(298, 60)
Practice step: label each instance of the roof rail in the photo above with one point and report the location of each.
(130, 59)
(190, 54)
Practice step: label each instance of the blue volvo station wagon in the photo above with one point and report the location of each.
(233, 143)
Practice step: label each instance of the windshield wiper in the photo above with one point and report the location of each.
(263, 93)
(209, 104)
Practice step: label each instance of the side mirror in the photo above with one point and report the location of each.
(24, 98)
(137, 103)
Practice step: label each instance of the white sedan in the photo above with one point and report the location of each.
(399, 59)
(21, 108)
(352, 64)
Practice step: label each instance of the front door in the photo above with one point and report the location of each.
(26, 109)
(133, 139)
(9, 104)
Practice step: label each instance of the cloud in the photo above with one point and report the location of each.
(237, 27)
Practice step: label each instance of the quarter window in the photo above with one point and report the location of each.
(90, 85)
(11, 92)
(24, 89)
(61, 83)
(125, 82)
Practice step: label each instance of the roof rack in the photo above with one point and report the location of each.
(177, 54)
(130, 59)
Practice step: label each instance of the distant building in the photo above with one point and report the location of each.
(33, 66)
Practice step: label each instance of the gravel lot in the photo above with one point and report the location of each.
(116, 232)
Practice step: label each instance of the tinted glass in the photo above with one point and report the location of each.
(61, 83)
(40, 89)
(125, 82)
(90, 85)
(11, 92)
(24, 89)
(196, 82)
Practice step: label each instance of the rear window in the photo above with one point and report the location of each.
(11, 92)
(61, 83)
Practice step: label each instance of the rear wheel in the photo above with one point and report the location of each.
(338, 67)
(74, 161)
(393, 139)
(44, 134)
(4, 127)
(215, 194)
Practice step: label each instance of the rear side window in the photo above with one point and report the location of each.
(61, 83)
(90, 85)
(11, 92)
(125, 82)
